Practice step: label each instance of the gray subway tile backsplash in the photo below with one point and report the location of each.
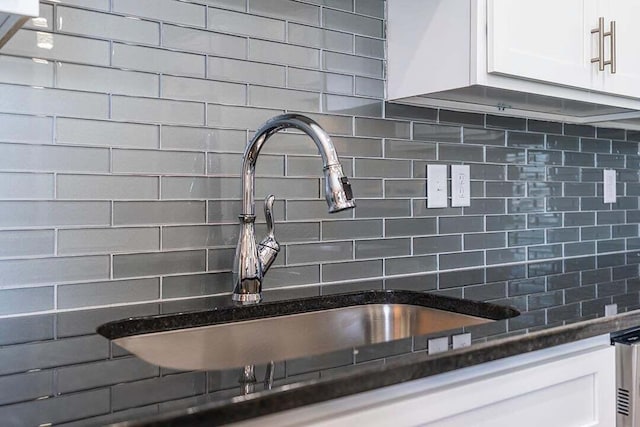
(121, 148)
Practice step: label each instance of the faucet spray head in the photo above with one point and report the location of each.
(337, 189)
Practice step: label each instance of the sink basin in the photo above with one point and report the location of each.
(237, 336)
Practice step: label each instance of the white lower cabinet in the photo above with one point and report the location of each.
(565, 386)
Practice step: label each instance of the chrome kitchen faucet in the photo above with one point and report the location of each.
(253, 260)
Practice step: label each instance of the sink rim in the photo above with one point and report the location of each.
(229, 314)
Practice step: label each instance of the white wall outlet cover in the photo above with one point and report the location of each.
(609, 178)
(460, 185)
(461, 340)
(438, 345)
(437, 188)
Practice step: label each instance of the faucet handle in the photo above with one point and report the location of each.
(269, 247)
(268, 214)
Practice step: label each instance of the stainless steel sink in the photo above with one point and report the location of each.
(230, 343)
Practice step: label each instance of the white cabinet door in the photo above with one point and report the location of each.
(544, 40)
(626, 15)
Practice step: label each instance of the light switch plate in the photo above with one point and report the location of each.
(461, 340)
(611, 309)
(437, 188)
(610, 186)
(460, 185)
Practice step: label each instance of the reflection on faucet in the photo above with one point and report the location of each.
(248, 380)
(251, 260)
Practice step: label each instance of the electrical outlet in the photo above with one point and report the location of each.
(437, 189)
(609, 186)
(438, 345)
(460, 185)
(611, 309)
(461, 340)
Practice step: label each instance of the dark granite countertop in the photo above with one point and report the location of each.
(55, 369)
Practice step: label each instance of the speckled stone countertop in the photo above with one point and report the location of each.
(55, 369)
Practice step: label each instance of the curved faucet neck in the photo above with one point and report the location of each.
(274, 125)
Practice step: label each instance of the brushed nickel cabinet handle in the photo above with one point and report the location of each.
(612, 46)
(600, 31)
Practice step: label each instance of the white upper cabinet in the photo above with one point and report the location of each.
(13, 14)
(574, 60)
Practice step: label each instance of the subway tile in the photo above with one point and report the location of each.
(290, 276)
(26, 243)
(231, 164)
(610, 245)
(460, 153)
(44, 20)
(545, 300)
(163, 10)
(466, 224)
(196, 284)
(460, 260)
(404, 188)
(563, 281)
(563, 204)
(319, 252)
(24, 387)
(437, 244)
(401, 111)
(624, 147)
(320, 38)
(157, 110)
(409, 150)
(525, 238)
(358, 106)
(103, 293)
(103, 25)
(29, 129)
(560, 142)
(524, 205)
(288, 10)
(200, 41)
(579, 159)
(372, 208)
(285, 54)
(467, 118)
(170, 387)
(199, 236)
(504, 122)
(382, 248)
(505, 155)
(319, 81)
(407, 265)
(544, 220)
(358, 24)
(371, 8)
(500, 256)
(134, 213)
(104, 133)
(332, 230)
(505, 189)
(222, 259)
(579, 189)
(543, 126)
(98, 374)
(59, 409)
(564, 174)
(505, 222)
(577, 249)
(366, 46)
(294, 231)
(452, 279)
(33, 100)
(301, 166)
(98, 79)
(484, 241)
(592, 145)
(507, 272)
(579, 218)
(413, 283)
(563, 312)
(336, 4)
(383, 168)
(410, 226)
(27, 300)
(358, 65)
(95, 241)
(351, 270)
(238, 117)
(44, 45)
(157, 162)
(152, 264)
(526, 286)
(544, 268)
(544, 157)
(227, 21)
(487, 172)
(31, 186)
(525, 140)
(157, 60)
(579, 130)
(26, 71)
(561, 235)
(260, 96)
(53, 158)
(610, 160)
(314, 209)
(203, 90)
(48, 270)
(544, 252)
(437, 133)
(54, 213)
(105, 187)
(381, 128)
